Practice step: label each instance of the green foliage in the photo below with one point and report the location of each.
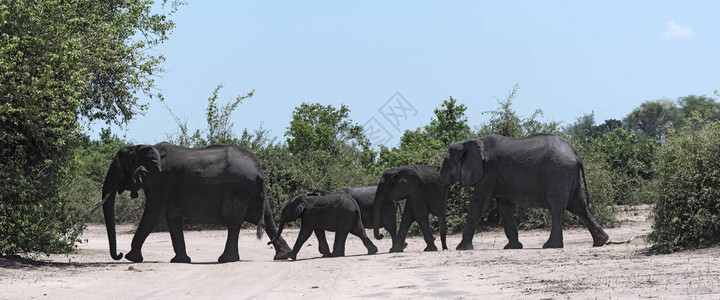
(450, 123)
(219, 127)
(505, 121)
(585, 130)
(93, 160)
(687, 210)
(657, 119)
(61, 61)
(698, 110)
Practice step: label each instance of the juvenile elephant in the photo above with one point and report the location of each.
(335, 212)
(365, 197)
(425, 195)
(542, 170)
(217, 184)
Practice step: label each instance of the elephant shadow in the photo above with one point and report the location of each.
(335, 257)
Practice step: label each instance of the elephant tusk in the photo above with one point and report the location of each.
(101, 202)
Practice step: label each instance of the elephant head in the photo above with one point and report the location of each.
(395, 184)
(463, 161)
(292, 210)
(133, 168)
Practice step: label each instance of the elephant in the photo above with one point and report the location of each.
(541, 170)
(336, 212)
(220, 184)
(425, 194)
(365, 197)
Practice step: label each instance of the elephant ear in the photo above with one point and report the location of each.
(406, 180)
(299, 208)
(147, 171)
(471, 162)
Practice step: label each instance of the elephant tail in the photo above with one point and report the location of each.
(261, 212)
(587, 194)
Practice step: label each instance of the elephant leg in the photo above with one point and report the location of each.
(231, 245)
(282, 249)
(556, 237)
(359, 231)
(322, 242)
(303, 236)
(420, 212)
(175, 226)
(235, 222)
(149, 220)
(405, 221)
(389, 222)
(598, 234)
(507, 210)
(442, 220)
(477, 207)
(339, 245)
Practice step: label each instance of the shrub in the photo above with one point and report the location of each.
(687, 208)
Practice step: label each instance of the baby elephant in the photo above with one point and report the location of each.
(335, 212)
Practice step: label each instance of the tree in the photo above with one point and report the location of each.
(582, 128)
(450, 123)
(686, 213)
(325, 128)
(62, 61)
(707, 107)
(504, 120)
(656, 118)
(427, 145)
(219, 126)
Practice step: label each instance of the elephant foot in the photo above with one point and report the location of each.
(327, 255)
(515, 245)
(393, 250)
(600, 240)
(372, 250)
(464, 246)
(282, 255)
(224, 258)
(552, 244)
(134, 256)
(341, 254)
(181, 259)
(430, 248)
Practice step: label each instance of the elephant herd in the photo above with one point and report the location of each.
(224, 184)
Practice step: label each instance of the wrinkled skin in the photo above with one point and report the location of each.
(365, 198)
(216, 185)
(335, 212)
(425, 195)
(542, 170)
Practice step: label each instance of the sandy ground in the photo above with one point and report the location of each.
(577, 271)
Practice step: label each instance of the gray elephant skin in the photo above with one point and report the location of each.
(425, 194)
(542, 170)
(217, 185)
(365, 197)
(336, 212)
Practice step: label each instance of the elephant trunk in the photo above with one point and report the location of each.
(108, 193)
(446, 172)
(277, 236)
(377, 204)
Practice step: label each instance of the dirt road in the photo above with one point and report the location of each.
(577, 271)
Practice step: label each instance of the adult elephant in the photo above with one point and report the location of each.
(425, 194)
(218, 184)
(365, 198)
(542, 170)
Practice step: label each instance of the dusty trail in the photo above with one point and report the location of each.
(577, 271)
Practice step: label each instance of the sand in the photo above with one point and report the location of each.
(579, 271)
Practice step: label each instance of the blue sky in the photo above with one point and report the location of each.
(569, 58)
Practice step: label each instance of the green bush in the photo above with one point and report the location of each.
(687, 208)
